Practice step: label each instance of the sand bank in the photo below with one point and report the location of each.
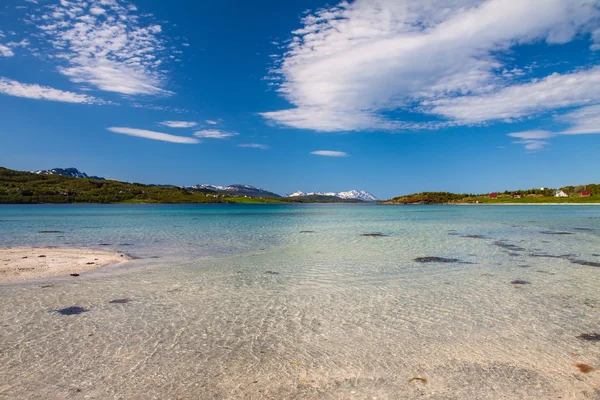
(20, 263)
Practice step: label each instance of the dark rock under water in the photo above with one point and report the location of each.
(74, 310)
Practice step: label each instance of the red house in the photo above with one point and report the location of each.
(493, 195)
(516, 196)
(585, 193)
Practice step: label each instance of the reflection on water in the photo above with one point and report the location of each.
(243, 304)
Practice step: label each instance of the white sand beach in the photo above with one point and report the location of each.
(22, 263)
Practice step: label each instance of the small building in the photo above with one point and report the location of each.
(585, 193)
(560, 193)
(493, 195)
(517, 196)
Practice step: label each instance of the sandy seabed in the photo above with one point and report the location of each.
(20, 263)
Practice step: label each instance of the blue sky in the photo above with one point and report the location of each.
(389, 96)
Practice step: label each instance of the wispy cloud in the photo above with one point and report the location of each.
(349, 65)
(35, 91)
(254, 146)
(179, 124)
(106, 44)
(329, 153)
(6, 50)
(165, 137)
(583, 121)
(214, 134)
(532, 140)
(553, 92)
(532, 135)
(211, 122)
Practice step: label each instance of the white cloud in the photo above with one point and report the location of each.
(254, 146)
(214, 134)
(6, 51)
(179, 124)
(165, 137)
(329, 153)
(351, 64)
(533, 145)
(583, 121)
(553, 92)
(105, 44)
(211, 122)
(532, 140)
(532, 135)
(35, 91)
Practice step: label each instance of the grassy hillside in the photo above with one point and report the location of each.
(18, 187)
(537, 196)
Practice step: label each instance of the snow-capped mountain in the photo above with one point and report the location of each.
(349, 195)
(72, 172)
(242, 190)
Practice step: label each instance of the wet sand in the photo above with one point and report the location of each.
(22, 263)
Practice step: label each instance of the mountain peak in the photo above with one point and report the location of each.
(238, 189)
(71, 171)
(349, 195)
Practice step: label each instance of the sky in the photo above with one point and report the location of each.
(388, 96)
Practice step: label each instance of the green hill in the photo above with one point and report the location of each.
(19, 187)
(526, 196)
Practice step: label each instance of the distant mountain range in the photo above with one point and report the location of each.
(234, 190)
(240, 190)
(72, 172)
(349, 195)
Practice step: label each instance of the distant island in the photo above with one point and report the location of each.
(583, 194)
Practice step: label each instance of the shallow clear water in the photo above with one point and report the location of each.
(240, 303)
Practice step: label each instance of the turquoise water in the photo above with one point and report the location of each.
(239, 301)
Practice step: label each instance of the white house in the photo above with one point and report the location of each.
(560, 193)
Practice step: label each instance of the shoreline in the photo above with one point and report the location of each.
(490, 204)
(19, 264)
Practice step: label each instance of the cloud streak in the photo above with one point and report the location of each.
(553, 92)
(34, 91)
(583, 121)
(165, 137)
(329, 153)
(179, 124)
(214, 134)
(254, 146)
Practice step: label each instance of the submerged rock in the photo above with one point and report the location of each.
(120, 301)
(508, 246)
(592, 337)
(72, 310)
(586, 263)
(520, 282)
(474, 237)
(431, 259)
(75, 274)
